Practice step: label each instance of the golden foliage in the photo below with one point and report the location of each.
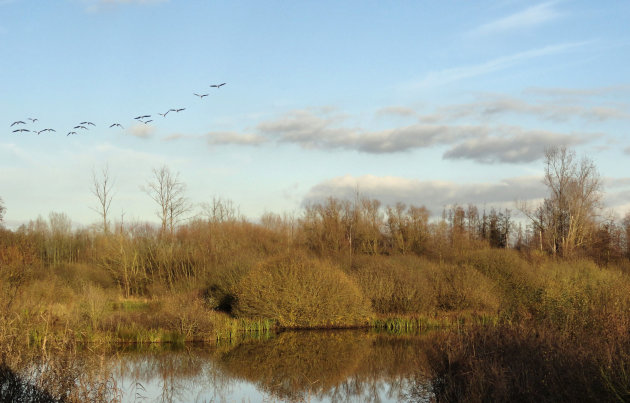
(300, 292)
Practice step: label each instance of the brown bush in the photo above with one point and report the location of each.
(395, 285)
(299, 292)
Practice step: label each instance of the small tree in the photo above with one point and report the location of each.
(167, 190)
(102, 189)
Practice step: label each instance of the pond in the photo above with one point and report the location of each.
(296, 366)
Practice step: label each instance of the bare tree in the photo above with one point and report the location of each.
(220, 210)
(102, 188)
(567, 217)
(167, 190)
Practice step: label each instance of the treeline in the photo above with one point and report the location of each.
(568, 223)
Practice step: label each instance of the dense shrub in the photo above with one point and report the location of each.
(297, 291)
(462, 287)
(395, 285)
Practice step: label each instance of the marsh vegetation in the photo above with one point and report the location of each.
(536, 310)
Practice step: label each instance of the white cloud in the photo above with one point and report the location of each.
(396, 111)
(316, 132)
(518, 146)
(495, 105)
(432, 194)
(483, 143)
(224, 138)
(141, 130)
(530, 17)
(447, 76)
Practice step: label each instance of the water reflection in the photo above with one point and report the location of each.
(312, 366)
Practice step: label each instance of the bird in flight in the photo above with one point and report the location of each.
(49, 130)
(69, 133)
(116, 124)
(80, 127)
(147, 121)
(201, 95)
(142, 117)
(217, 85)
(179, 110)
(33, 120)
(19, 122)
(87, 123)
(21, 130)
(165, 113)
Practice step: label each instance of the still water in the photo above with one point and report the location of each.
(303, 366)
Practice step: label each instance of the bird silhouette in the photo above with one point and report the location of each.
(116, 124)
(33, 120)
(146, 122)
(217, 85)
(49, 130)
(19, 122)
(180, 109)
(21, 130)
(69, 133)
(201, 95)
(80, 127)
(87, 123)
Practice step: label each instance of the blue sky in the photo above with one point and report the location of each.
(428, 103)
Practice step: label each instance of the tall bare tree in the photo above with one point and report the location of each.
(102, 188)
(567, 217)
(168, 191)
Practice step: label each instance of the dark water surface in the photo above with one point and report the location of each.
(311, 366)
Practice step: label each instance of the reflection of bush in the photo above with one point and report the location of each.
(300, 292)
(297, 364)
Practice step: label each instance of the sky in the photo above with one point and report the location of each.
(421, 102)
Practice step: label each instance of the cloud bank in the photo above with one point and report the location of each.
(435, 195)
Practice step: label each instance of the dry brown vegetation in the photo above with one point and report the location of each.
(555, 286)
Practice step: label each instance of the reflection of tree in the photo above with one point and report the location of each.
(176, 372)
(338, 365)
(295, 365)
(54, 375)
(394, 364)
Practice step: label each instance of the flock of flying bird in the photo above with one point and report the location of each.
(146, 119)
